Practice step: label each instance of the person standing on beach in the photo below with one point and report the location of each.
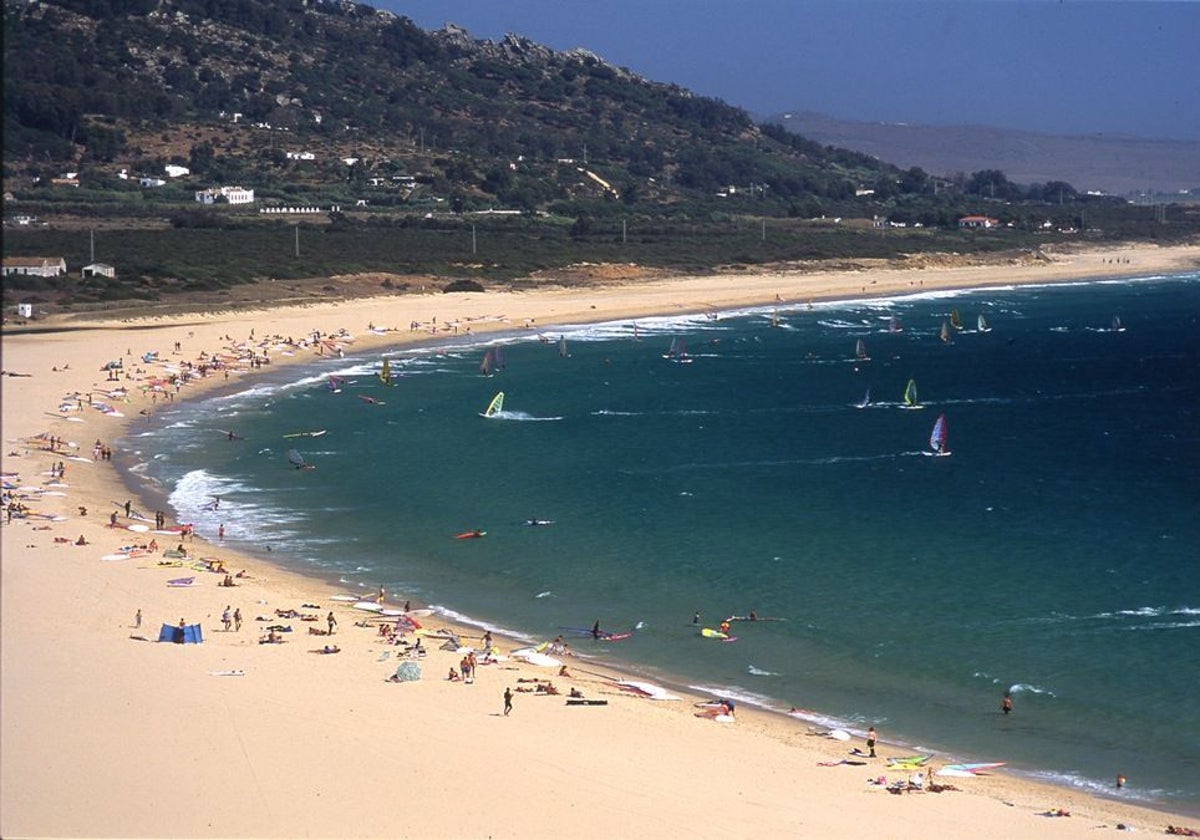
(128, 507)
(507, 701)
(871, 741)
(137, 619)
(227, 618)
(237, 619)
(331, 621)
(382, 594)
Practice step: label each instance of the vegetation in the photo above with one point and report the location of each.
(403, 138)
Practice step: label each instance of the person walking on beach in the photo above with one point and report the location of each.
(237, 619)
(227, 618)
(1006, 704)
(331, 621)
(382, 594)
(507, 701)
(871, 741)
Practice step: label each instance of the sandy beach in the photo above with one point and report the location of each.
(105, 733)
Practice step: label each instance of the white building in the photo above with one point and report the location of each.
(232, 195)
(174, 171)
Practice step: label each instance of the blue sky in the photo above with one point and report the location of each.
(1058, 67)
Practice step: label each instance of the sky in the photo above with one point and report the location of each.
(1124, 68)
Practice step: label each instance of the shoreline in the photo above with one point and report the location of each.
(49, 668)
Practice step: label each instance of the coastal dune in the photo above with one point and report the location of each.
(106, 733)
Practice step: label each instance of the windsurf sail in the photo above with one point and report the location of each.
(945, 333)
(860, 351)
(1117, 325)
(385, 373)
(937, 438)
(955, 319)
(495, 406)
(982, 325)
(295, 458)
(334, 384)
(775, 318)
(866, 400)
(562, 346)
(678, 352)
(485, 366)
(910, 395)
(894, 324)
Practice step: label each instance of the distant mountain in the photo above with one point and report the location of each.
(1113, 164)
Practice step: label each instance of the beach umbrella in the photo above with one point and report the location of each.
(408, 671)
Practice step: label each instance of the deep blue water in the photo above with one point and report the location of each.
(1053, 554)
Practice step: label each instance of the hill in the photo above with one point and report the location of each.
(211, 143)
(1116, 165)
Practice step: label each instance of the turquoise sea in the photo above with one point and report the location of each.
(1053, 554)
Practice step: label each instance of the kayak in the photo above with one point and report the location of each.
(469, 535)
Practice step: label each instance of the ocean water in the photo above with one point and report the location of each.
(1054, 553)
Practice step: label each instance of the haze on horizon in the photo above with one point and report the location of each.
(1079, 68)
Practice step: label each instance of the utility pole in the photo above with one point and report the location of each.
(622, 231)
(297, 239)
(472, 240)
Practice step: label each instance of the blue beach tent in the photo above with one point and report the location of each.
(189, 634)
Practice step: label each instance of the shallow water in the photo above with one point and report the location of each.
(1053, 554)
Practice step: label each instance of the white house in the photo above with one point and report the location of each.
(301, 156)
(174, 171)
(978, 222)
(35, 266)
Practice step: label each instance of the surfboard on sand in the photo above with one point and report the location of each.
(576, 701)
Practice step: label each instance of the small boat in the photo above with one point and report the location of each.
(866, 400)
(981, 324)
(910, 396)
(495, 406)
(860, 351)
(470, 535)
(937, 438)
